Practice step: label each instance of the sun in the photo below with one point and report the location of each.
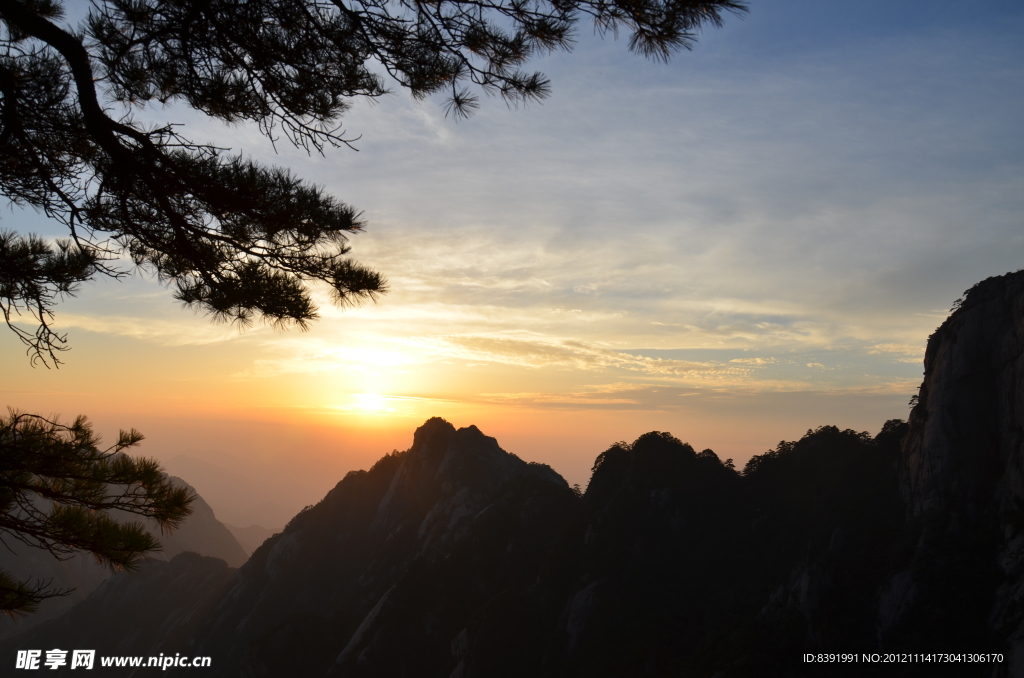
(371, 405)
(370, 402)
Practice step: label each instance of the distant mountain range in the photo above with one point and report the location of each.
(457, 559)
(200, 533)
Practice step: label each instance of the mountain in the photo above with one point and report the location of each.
(476, 563)
(401, 555)
(962, 477)
(456, 559)
(201, 533)
(677, 565)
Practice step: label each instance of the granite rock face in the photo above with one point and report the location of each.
(962, 477)
(400, 556)
(965, 452)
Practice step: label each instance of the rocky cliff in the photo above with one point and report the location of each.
(962, 476)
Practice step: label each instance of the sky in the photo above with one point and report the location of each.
(754, 239)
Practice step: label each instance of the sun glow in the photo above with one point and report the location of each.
(377, 406)
(370, 402)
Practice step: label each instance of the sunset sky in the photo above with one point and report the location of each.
(754, 239)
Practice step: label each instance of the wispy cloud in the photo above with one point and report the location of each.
(314, 356)
(537, 352)
(185, 331)
(904, 353)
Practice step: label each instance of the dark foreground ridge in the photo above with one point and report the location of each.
(457, 559)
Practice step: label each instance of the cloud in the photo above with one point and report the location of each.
(538, 352)
(315, 356)
(906, 353)
(187, 331)
(615, 395)
(668, 397)
(754, 361)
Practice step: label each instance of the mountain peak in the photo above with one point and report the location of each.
(446, 472)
